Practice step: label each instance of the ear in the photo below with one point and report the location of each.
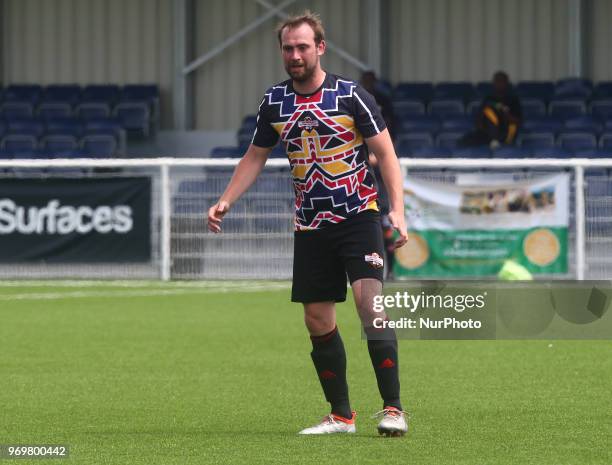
(321, 48)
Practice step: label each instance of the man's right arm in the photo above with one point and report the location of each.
(244, 176)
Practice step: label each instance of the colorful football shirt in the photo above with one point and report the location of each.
(323, 134)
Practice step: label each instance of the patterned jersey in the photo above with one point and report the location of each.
(323, 134)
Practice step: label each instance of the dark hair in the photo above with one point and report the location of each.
(307, 17)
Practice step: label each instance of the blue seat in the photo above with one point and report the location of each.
(573, 141)
(14, 109)
(405, 108)
(31, 93)
(249, 122)
(536, 140)
(448, 139)
(584, 123)
(91, 109)
(60, 142)
(99, 145)
(225, 152)
(460, 123)
(573, 88)
(601, 109)
(484, 88)
(567, 108)
(422, 91)
(134, 117)
(473, 107)
(29, 126)
(72, 126)
(445, 108)
(419, 124)
(277, 152)
(510, 151)
(605, 141)
(593, 153)
(603, 90)
(461, 90)
(544, 124)
(244, 137)
(535, 90)
(574, 81)
(62, 153)
(552, 152)
(472, 152)
(3, 128)
(136, 92)
(63, 93)
(432, 152)
(533, 107)
(54, 110)
(108, 93)
(103, 126)
(407, 143)
(16, 143)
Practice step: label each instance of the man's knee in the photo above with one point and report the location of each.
(320, 317)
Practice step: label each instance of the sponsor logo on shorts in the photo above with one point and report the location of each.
(375, 260)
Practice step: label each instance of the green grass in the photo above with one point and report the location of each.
(200, 376)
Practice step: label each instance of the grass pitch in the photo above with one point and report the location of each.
(197, 373)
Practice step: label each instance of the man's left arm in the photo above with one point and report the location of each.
(382, 147)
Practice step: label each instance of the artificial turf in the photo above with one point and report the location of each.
(184, 374)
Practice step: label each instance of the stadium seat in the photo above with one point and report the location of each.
(422, 91)
(544, 124)
(584, 123)
(567, 108)
(54, 110)
(432, 152)
(134, 117)
(510, 151)
(472, 152)
(249, 122)
(536, 140)
(473, 107)
(454, 90)
(593, 153)
(72, 126)
(459, 124)
(63, 93)
(91, 109)
(30, 93)
(59, 142)
(418, 124)
(406, 108)
(16, 143)
(574, 81)
(30, 126)
(225, 152)
(244, 137)
(448, 139)
(533, 107)
(573, 141)
(484, 89)
(601, 109)
(573, 88)
(602, 91)
(3, 128)
(99, 145)
(408, 143)
(605, 141)
(108, 93)
(552, 152)
(446, 108)
(277, 152)
(135, 92)
(4, 155)
(14, 109)
(535, 90)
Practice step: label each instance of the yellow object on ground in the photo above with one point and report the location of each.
(512, 271)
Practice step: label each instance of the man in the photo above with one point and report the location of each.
(499, 117)
(322, 121)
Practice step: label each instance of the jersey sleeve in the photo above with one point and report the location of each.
(264, 135)
(368, 118)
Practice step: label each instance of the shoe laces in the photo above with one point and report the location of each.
(389, 412)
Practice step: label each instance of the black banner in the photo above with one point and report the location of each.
(70, 220)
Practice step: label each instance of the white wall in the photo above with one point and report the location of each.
(599, 57)
(89, 41)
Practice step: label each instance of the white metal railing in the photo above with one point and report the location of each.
(578, 165)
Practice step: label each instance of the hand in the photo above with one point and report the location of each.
(216, 214)
(398, 221)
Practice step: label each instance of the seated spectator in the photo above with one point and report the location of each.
(499, 117)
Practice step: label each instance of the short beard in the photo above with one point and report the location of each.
(308, 73)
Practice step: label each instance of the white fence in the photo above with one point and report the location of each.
(184, 188)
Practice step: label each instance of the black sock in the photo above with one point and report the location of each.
(382, 346)
(330, 362)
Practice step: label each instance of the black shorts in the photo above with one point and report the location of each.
(323, 258)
